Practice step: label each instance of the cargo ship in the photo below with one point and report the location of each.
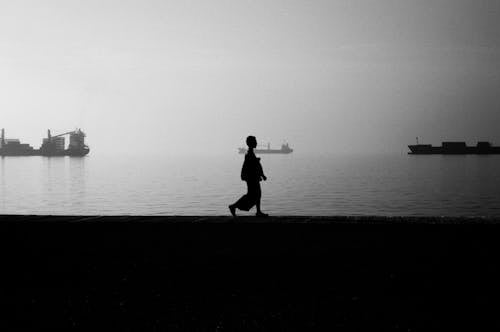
(454, 148)
(51, 145)
(285, 149)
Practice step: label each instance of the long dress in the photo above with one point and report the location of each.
(251, 173)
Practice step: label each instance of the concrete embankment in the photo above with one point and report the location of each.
(276, 274)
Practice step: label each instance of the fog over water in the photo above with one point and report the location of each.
(196, 77)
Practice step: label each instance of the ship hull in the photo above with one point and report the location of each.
(77, 152)
(267, 151)
(428, 149)
(18, 153)
(64, 153)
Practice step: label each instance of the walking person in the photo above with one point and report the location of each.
(252, 174)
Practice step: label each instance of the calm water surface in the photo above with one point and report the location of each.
(297, 185)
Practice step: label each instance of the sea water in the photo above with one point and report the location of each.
(297, 185)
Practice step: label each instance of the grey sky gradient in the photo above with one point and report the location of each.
(198, 76)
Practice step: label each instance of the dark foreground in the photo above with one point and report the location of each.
(277, 274)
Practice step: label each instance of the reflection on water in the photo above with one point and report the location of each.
(76, 180)
(298, 185)
(3, 191)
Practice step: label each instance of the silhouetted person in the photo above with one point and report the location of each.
(252, 174)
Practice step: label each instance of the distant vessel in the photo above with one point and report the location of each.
(51, 146)
(454, 148)
(285, 149)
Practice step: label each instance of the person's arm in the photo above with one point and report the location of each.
(244, 170)
(261, 171)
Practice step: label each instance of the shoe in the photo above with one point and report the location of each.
(233, 210)
(261, 214)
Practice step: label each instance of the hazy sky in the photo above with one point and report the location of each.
(198, 76)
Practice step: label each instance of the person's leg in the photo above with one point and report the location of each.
(232, 209)
(245, 203)
(259, 212)
(258, 195)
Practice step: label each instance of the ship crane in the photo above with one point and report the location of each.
(69, 132)
(77, 131)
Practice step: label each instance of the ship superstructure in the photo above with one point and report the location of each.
(285, 149)
(55, 145)
(51, 145)
(14, 147)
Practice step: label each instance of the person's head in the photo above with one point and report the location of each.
(252, 142)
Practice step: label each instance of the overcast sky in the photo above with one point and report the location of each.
(198, 76)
